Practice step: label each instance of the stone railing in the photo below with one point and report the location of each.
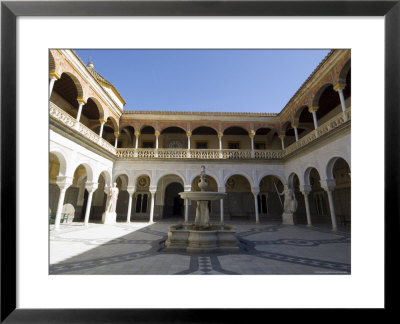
(323, 129)
(64, 118)
(166, 153)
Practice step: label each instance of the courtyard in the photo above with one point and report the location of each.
(138, 248)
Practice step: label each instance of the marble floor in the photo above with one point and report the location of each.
(138, 248)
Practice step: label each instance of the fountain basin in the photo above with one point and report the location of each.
(202, 195)
(193, 239)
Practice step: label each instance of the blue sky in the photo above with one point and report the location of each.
(205, 80)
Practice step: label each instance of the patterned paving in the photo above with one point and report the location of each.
(264, 249)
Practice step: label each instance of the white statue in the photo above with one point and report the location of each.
(290, 204)
(112, 200)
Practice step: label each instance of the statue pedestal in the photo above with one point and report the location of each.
(288, 218)
(109, 218)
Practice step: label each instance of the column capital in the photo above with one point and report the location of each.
(63, 182)
(131, 190)
(313, 108)
(220, 134)
(305, 189)
(102, 120)
(328, 184)
(252, 133)
(189, 133)
(54, 75)
(221, 189)
(153, 190)
(295, 125)
(157, 133)
(339, 86)
(117, 134)
(137, 133)
(91, 186)
(255, 190)
(282, 136)
(81, 100)
(187, 188)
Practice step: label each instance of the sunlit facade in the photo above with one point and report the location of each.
(153, 155)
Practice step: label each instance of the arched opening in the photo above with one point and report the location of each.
(236, 138)
(270, 203)
(147, 137)
(273, 140)
(173, 137)
(90, 113)
(123, 197)
(204, 137)
(329, 104)
(318, 199)
(288, 131)
(65, 94)
(142, 198)
(305, 121)
(173, 203)
(99, 200)
(54, 190)
(261, 138)
(342, 193)
(127, 137)
(76, 194)
(240, 199)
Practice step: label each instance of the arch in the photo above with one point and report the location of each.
(318, 94)
(173, 203)
(208, 173)
(264, 130)
(330, 165)
(114, 123)
(200, 129)
(291, 180)
(75, 80)
(284, 127)
(52, 62)
(249, 179)
(62, 160)
(145, 129)
(343, 72)
(107, 177)
(307, 173)
(224, 131)
(162, 130)
(298, 112)
(166, 173)
(124, 179)
(98, 105)
(88, 168)
(271, 173)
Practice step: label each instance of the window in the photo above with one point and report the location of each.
(233, 145)
(259, 145)
(141, 204)
(201, 145)
(148, 144)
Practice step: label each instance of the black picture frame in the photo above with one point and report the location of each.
(10, 10)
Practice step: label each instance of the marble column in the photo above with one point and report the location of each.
(63, 183)
(189, 135)
(137, 134)
(329, 185)
(221, 207)
(296, 134)
(282, 137)
(157, 134)
(220, 135)
(91, 187)
(339, 89)
(81, 103)
(186, 211)
(116, 139)
(131, 192)
(306, 191)
(255, 194)
(313, 110)
(53, 78)
(153, 192)
(102, 122)
(251, 135)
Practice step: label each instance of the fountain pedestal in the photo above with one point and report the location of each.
(202, 237)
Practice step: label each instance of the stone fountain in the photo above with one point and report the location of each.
(202, 237)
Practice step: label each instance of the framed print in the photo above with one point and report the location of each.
(32, 28)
